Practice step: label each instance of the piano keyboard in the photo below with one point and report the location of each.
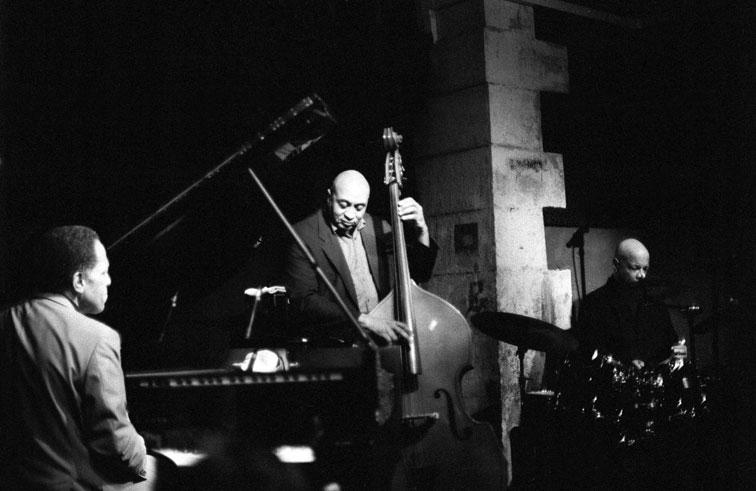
(226, 378)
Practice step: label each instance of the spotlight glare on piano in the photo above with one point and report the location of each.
(182, 458)
(289, 454)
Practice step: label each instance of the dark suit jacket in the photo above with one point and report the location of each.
(625, 324)
(309, 295)
(63, 398)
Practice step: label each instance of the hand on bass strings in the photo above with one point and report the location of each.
(388, 329)
(410, 211)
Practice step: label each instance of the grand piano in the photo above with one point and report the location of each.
(180, 274)
(197, 350)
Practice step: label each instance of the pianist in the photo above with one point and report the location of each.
(350, 246)
(62, 397)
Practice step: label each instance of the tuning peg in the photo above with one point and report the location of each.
(391, 139)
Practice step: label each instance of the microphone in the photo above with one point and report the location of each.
(577, 238)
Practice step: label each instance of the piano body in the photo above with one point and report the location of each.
(184, 320)
(324, 405)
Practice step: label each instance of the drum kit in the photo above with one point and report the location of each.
(633, 403)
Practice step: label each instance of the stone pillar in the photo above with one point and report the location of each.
(483, 179)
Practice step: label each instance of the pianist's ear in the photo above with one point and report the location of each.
(77, 282)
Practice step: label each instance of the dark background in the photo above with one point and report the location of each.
(109, 110)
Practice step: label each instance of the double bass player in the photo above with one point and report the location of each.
(437, 446)
(351, 246)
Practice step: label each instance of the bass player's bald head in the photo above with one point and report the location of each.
(350, 179)
(348, 199)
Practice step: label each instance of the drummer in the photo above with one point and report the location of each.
(618, 319)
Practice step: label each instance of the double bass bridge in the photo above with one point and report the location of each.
(420, 420)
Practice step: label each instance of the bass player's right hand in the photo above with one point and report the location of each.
(388, 329)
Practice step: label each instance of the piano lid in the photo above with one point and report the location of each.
(285, 137)
(179, 275)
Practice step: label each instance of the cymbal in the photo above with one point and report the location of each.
(525, 332)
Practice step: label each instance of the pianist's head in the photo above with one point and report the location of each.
(72, 261)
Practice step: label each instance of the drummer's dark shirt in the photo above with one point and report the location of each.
(620, 320)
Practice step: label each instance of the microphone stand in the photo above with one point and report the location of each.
(174, 301)
(256, 296)
(311, 259)
(578, 240)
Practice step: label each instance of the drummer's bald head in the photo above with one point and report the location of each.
(631, 261)
(630, 248)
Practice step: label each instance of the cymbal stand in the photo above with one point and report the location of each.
(522, 379)
(522, 438)
(690, 314)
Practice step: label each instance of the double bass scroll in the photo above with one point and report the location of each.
(442, 447)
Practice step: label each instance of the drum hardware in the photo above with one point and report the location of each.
(635, 403)
(593, 389)
(690, 312)
(525, 333)
(528, 443)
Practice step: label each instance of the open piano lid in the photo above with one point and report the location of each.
(180, 274)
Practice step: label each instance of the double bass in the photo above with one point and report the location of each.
(441, 446)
